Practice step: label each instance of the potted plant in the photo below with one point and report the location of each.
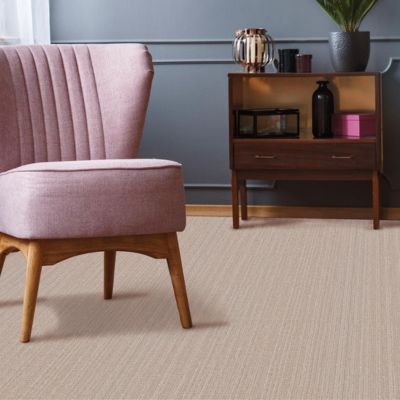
(349, 48)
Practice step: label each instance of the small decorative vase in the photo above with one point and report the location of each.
(304, 63)
(349, 51)
(253, 48)
(322, 111)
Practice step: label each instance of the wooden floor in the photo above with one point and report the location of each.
(201, 210)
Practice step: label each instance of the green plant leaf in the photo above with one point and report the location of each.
(364, 8)
(348, 14)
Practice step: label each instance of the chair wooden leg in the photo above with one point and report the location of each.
(33, 271)
(109, 269)
(178, 280)
(2, 260)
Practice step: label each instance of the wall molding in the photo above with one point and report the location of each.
(215, 41)
(210, 61)
(196, 61)
(392, 60)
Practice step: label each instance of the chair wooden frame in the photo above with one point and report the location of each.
(46, 252)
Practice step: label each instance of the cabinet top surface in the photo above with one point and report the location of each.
(301, 75)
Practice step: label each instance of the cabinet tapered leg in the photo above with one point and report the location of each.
(376, 199)
(33, 271)
(178, 280)
(243, 200)
(109, 270)
(235, 200)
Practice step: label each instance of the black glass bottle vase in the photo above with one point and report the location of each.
(322, 110)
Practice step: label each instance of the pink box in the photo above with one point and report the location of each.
(354, 125)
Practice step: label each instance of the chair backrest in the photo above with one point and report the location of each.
(72, 102)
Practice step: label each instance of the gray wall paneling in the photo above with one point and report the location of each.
(191, 45)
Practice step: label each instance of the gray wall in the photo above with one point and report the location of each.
(191, 45)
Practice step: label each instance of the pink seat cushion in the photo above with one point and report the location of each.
(97, 198)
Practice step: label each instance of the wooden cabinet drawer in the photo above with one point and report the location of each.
(312, 156)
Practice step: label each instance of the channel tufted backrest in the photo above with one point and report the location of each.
(72, 102)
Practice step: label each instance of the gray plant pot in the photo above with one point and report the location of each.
(349, 51)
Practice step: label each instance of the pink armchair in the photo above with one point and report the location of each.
(71, 120)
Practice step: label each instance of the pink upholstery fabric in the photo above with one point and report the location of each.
(77, 199)
(61, 106)
(65, 102)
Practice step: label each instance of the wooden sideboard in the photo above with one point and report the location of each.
(304, 158)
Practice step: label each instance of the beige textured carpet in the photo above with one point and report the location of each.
(283, 309)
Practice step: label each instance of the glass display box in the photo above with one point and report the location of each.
(267, 123)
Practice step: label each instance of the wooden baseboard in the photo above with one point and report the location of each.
(209, 210)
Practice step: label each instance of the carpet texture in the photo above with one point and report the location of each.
(282, 309)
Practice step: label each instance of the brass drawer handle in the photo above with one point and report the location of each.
(342, 157)
(258, 156)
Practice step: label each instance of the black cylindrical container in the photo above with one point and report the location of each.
(287, 60)
(322, 110)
